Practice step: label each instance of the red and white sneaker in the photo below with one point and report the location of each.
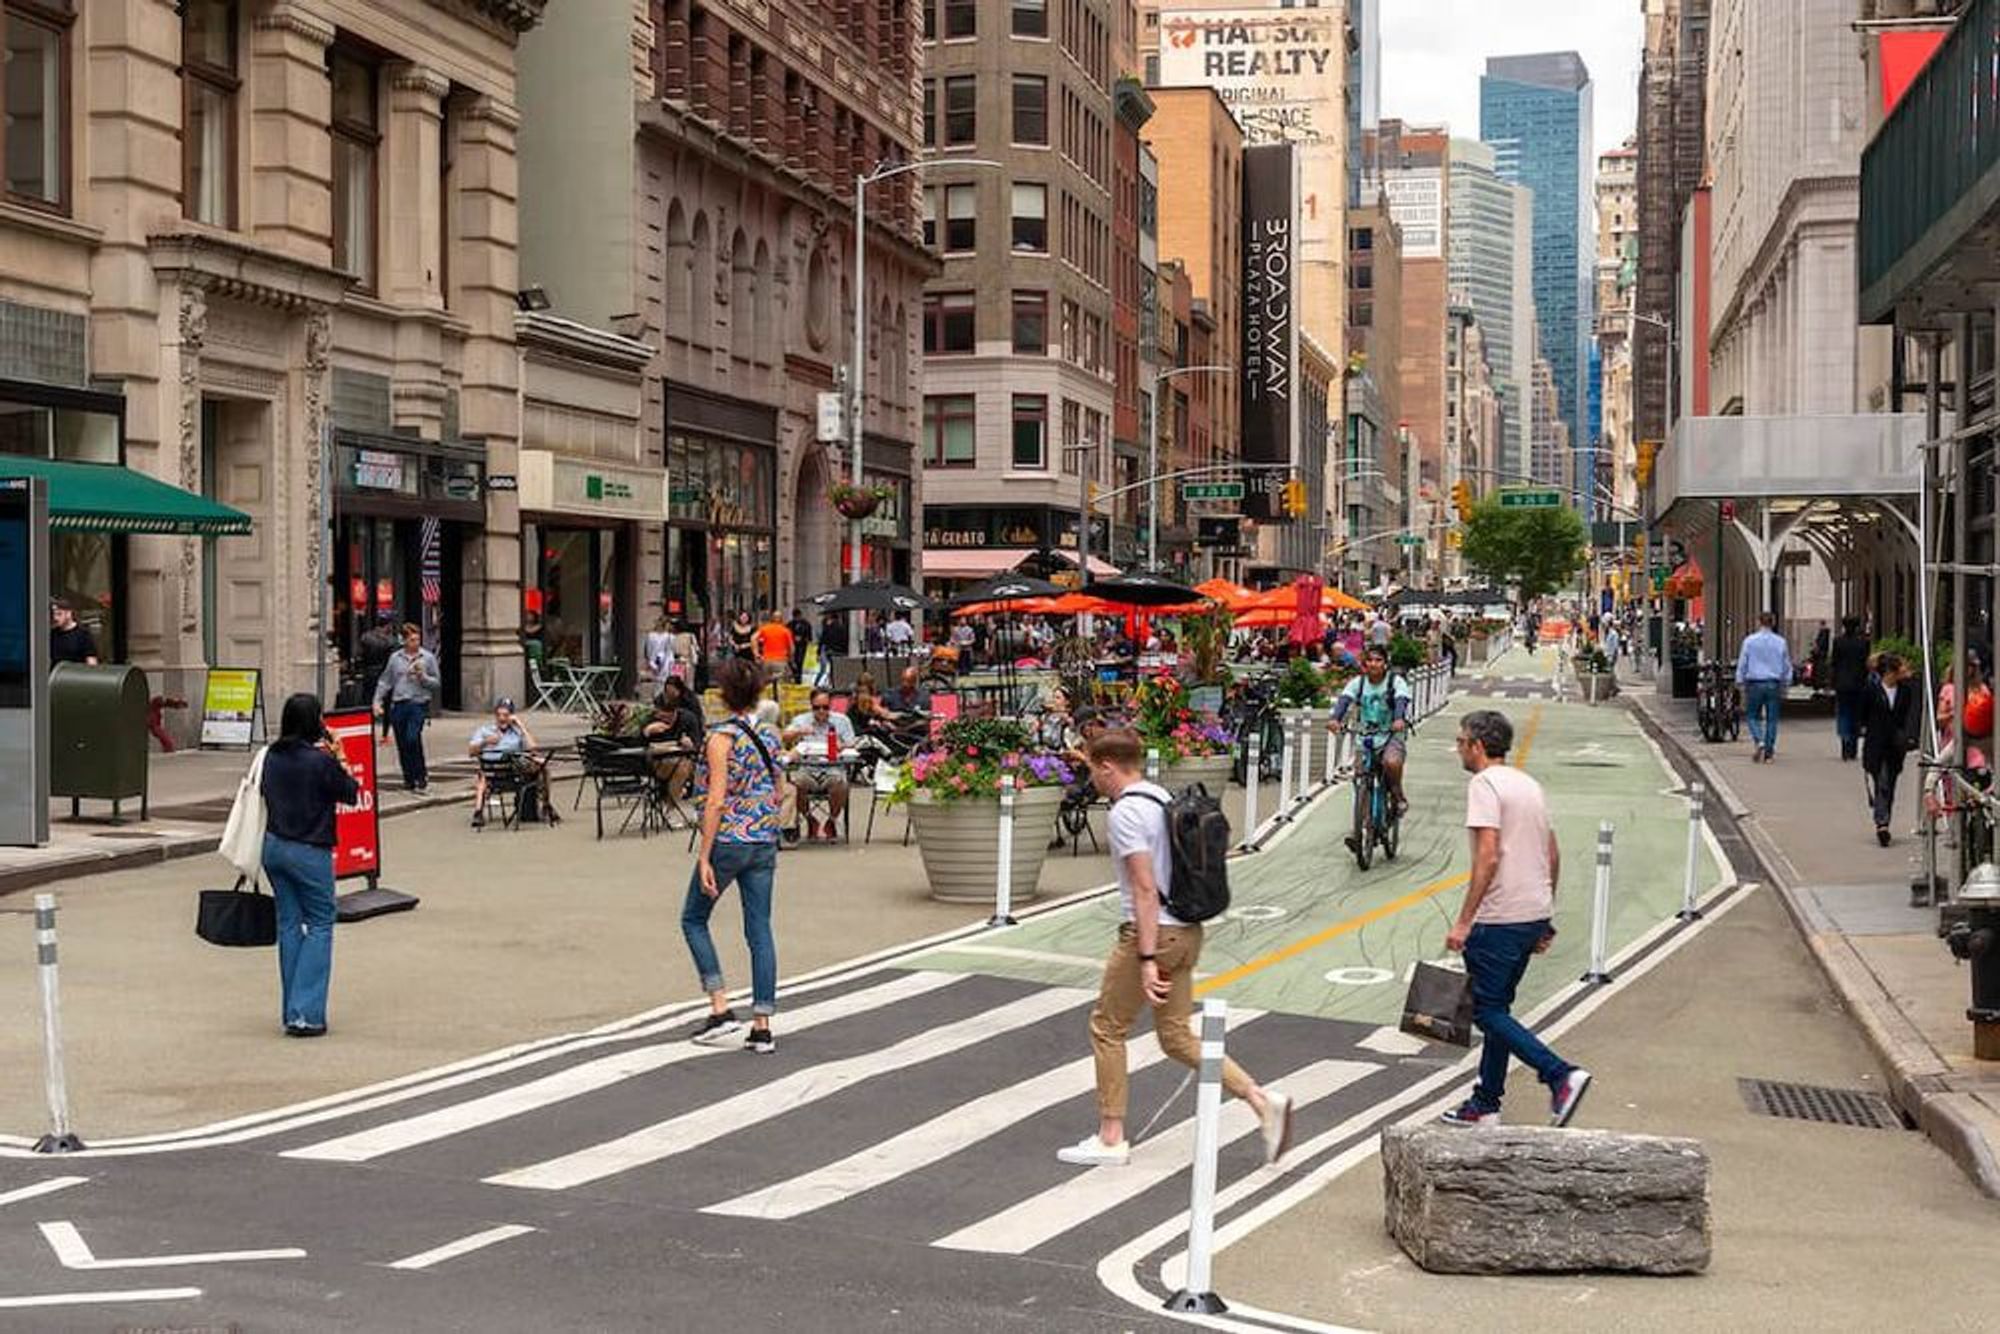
(1470, 1113)
(1568, 1094)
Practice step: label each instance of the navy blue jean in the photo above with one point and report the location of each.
(301, 877)
(1760, 704)
(1496, 958)
(406, 717)
(1847, 706)
(753, 869)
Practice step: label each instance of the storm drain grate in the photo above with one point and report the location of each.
(1809, 1102)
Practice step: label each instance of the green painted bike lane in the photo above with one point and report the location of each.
(1309, 933)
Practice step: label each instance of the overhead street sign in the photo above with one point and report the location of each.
(1525, 499)
(1409, 540)
(1211, 490)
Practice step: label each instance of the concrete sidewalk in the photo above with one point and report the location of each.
(1806, 817)
(191, 792)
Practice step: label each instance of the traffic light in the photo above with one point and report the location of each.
(1094, 490)
(1649, 450)
(1461, 499)
(1295, 498)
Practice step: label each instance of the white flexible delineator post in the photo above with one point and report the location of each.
(61, 1138)
(1199, 1296)
(1003, 890)
(1689, 910)
(1600, 910)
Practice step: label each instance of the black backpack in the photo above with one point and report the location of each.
(1198, 832)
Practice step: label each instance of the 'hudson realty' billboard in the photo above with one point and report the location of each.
(1270, 323)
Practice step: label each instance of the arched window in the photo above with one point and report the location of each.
(701, 280)
(742, 298)
(678, 284)
(764, 349)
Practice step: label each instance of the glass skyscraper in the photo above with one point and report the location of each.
(1535, 113)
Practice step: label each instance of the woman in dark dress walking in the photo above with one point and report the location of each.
(304, 779)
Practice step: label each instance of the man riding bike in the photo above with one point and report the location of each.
(1383, 702)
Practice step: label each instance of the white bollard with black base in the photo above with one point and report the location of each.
(1152, 764)
(1600, 910)
(1253, 759)
(60, 1139)
(1333, 735)
(1689, 911)
(1308, 727)
(1285, 750)
(1003, 891)
(1198, 1297)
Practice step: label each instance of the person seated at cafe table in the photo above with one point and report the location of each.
(673, 735)
(505, 735)
(908, 696)
(808, 737)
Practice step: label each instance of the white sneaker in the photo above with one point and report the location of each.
(1094, 1152)
(1276, 1124)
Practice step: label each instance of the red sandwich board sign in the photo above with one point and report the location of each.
(357, 829)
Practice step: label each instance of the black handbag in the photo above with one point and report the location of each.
(237, 917)
(1439, 1005)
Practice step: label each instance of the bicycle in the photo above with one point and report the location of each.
(1718, 704)
(1252, 710)
(1377, 822)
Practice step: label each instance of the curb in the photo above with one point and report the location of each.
(1916, 1077)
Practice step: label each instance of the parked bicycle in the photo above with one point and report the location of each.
(1252, 710)
(1718, 703)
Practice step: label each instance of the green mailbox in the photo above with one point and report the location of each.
(98, 741)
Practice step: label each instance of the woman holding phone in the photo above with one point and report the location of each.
(304, 779)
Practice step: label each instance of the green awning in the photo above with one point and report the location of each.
(106, 498)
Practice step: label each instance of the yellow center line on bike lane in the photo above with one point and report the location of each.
(1376, 914)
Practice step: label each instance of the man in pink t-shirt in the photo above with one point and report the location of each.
(1504, 921)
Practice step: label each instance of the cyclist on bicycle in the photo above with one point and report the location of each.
(1383, 700)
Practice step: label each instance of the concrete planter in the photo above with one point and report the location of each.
(1596, 686)
(1317, 736)
(1211, 771)
(960, 843)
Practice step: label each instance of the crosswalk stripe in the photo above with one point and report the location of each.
(665, 1139)
(1044, 1217)
(588, 1077)
(938, 1138)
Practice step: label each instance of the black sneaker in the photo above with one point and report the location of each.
(717, 1029)
(760, 1041)
(479, 818)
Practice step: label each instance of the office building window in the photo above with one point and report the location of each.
(961, 109)
(208, 102)
(1031, 18)
(1031, 217)
(1031, 109)
(930, 113)
(961, 218)
(1031, 431)
(961, 18)
(34, 95)
(947, 322)
(357, 141)
(930, 217)
(950, 431)
(1031, 323)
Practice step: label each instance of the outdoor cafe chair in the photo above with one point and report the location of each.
(622, 775)
(505, 781)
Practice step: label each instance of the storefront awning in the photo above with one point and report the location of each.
(979, 562)
(107, 498)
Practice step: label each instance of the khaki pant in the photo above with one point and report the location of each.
(1123, 996)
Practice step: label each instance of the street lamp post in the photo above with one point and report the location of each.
(857, 400)
(1667, 359)
(1153, 457)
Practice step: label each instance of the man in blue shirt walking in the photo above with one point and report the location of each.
(1763, 669)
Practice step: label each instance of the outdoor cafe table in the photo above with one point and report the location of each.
(846, 761)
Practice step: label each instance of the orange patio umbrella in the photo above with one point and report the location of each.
(1230, 594)
(1286, 600)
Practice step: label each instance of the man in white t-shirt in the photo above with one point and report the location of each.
(1152, 963)
(1504, 921)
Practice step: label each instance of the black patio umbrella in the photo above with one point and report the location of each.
(1008, 587)
(1143, 590)
(871, 596)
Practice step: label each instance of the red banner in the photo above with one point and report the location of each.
(357, 829)
(1904, 55)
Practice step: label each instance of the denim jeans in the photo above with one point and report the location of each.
(753, 869)
(1760, 704)
(1496, 957)
(407, 716)
(1883, 776)
(301, 877)
(1847, 705)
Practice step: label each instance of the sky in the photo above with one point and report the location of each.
(1433, 52)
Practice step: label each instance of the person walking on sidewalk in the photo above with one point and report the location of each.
(1504, 921)
(1152, 963)
(1763, 669)
(304, 779)
(739, 845)
(404, 692)
(1891, 719)
(1847, 664)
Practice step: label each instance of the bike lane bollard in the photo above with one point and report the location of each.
(1152, 764)
(1600, 910)
(1308, 728)
(1003, 889)
(1332, 749)
(1253, 758)
(60, 1139)
(1198, 1297)
(1285, 767)
(1689, 911)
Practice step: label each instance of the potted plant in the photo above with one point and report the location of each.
(953, 788)
(1306, 692)
(1193, 747)
(1594, 674)
(858, 502)
(618, 719)
(1205, 635)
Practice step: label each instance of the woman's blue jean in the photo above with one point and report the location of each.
(301, 877)
(1496, 958)
(753, 869)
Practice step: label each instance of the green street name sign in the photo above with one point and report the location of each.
(1409, 540)
(1530, 500)
(1211, 490)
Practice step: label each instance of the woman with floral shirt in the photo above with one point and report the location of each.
(739, 844)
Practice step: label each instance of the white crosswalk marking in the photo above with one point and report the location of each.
(588, 1077)
(665, 1139)
(1043, 1217)
(939, 1137)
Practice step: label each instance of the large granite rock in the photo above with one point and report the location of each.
(1512, 1200)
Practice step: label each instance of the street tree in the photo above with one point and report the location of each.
(1537, 550)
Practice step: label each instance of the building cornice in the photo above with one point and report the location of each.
(517, 16)
(1788, 220)
(287, 16)
(537, 331)
(226, 265)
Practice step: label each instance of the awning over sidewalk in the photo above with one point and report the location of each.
(107, 498)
